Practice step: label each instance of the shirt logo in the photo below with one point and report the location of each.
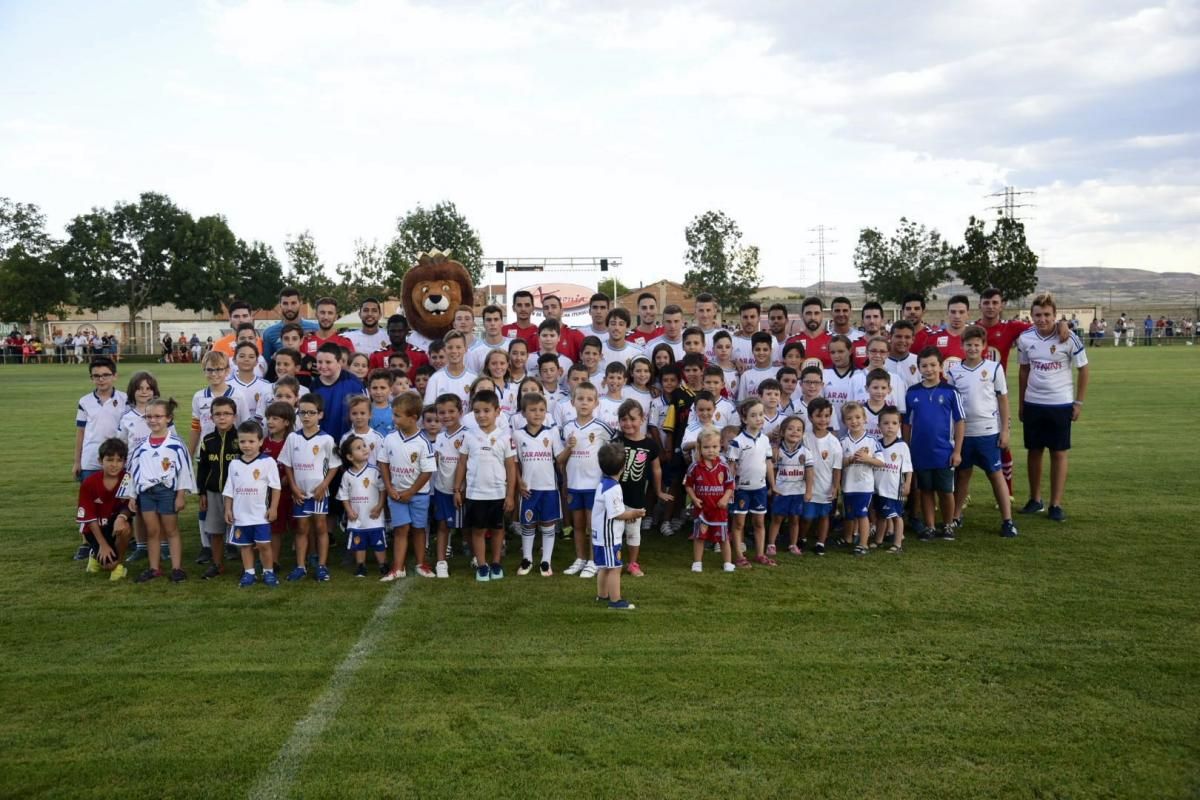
(114, 400)
(1052, 349)
(912, 369)
(413, 457)
(824, 455)
(165, 464)
(257, 474)
(985, 374)
(545, 441)
(458, 443)
(592, 437)
(367, 482)
(316, 450)
(894, 456)
(491, 441)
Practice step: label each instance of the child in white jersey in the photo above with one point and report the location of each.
(614, 395)
(251, 496)
(447, 516)
(826, 453)
(537, 449)
(860, 457)
(793, 485)
(607, 520)
(893, 480)
(257, 392)
(763, 348)
(485, 480)
(843, 383)
(363, 497)
(750, 456)
(133, 430)
(771, 393)
(583, 437)
(160, 472)
(310, 460)
(406, 465)
(360, 426)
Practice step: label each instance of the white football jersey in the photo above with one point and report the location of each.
(133, 430)
(564, 412)
(725, 415)
(857, 477)
(905, 374)
(897, 462)
(826, 455)
(978, 388)
(841, 389)
(658, 410)
(367, 342)
(258, 395)
(99, 420)
(790, 466)
(536, 451)
(310, 459)
(751, 457)
(249, 484)
(202, 408)
(168, 463)
(442, 382)
(445, 451)
(583, 466)
(374, 443)
(362, 491)
(743, 352)
(676, 347)
(873, 420)
(606, 411)
(733, 379)
(1051, 382)
(747, 384)
(772, 423)
(406, 458)
(622, 355)
(487, 457)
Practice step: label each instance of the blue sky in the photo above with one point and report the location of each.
(566, 128)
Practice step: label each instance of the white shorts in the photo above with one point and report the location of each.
(633, 532)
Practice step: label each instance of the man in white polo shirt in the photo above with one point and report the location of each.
(1050, 400)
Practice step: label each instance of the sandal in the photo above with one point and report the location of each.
(895, 549)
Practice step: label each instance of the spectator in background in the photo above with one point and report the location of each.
(168, 346)
(1148, 328)
(197, 347)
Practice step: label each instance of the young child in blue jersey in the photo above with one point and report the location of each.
(251, 500)
(860, 456)
(363, 496)
(407, 465)
(893, 481)
(379, 388)
(160, 469)
(608, 518)
(793, 485)
(750, 457)
(934, 428)
(538, 448)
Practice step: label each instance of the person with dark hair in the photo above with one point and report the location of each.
(289, 311)
(368, 338)
(706, 320)
(523, 328)
(335, 386)
(240, 313)
(397, 334)
(103, 511)
(570, 340)
(814, 337)
(648, 327)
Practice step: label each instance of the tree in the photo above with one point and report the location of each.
(370, 274)
(124, 256)
(914, 259)
(421, 230)
(718, 262)
(1001, 258)
(305, 270)
(260, 275)
(205, 276)
(32, 283)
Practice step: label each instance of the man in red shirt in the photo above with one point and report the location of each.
(948, 341)
(522, 329)
(913, 308)
(647, 327)
(397, 331)
(814, 337)
(840, 310)
(872, 326)
(327, 316)
(570, 340)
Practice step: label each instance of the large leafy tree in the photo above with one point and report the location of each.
(913, 259)
(32, 282)
(306, 271)
(125, 255)
(718, 262)
(373, 272)
(424, 229)
(260, 275)
(1000, 258)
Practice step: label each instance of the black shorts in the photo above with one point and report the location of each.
(106, 531)
(484, 515)
(1047, 427)
(935, 480)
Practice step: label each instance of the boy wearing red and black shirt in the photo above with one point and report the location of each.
(103, 512)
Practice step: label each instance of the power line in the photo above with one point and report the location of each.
(1009, 205)
(821, 242)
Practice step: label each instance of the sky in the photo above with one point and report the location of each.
(601, 129)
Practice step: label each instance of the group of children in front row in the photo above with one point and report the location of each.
(546, 457)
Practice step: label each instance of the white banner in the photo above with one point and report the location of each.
(574, 288)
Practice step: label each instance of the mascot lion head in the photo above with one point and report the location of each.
(431, 290)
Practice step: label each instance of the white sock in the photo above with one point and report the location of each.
(251, 571)
(547, 542)
(527, 542)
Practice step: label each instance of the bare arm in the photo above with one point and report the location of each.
(78, 469)
(1022, 384)
(1081, 386)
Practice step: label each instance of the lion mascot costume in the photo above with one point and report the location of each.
(431, 291)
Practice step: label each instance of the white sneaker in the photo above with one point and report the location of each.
(697, 566)
(729, 567)
(646, 523)
(442, 569)
(665, 529)
(393, 575)
(589, 570)
(576, 565)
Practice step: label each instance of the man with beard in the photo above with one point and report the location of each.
(743, 351)
(647, 328)
(310, 345)
(913, 308)
(523, 328)
(872, 318)
(777, 324)
(239, 312)
(369, 337)
(814, 337)
(570, 340)
(706, 320)
(289, 311)
(397, 333)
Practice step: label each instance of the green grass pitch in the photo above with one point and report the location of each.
(1064, 663)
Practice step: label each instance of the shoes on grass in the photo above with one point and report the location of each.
(589, 570)
(1007, 529)
(178, 576)
(204, 556)
(118, 573)
(575, 567)
(525, 567)
(544, 569)
(442, 569)
(635, 569)
(1033, 507)
(270, 579)
(148, 575)
(1056, 514)
(213, 571)
(247, 579)
(298, 574)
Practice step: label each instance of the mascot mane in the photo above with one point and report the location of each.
(432, 289)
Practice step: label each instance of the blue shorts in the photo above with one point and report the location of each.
(817, 510)
(581, 499)
(542, 505)
(749, 501)
(310, 508)
(982, 452)
(444, 510)
(368, 539)
(607, 557)
(247, 535)
(889, 507)
(415, 512)
(787, 505)
(158, 499)
(856, 505)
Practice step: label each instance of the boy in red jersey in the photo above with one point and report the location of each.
(709, 484)
(103, 513)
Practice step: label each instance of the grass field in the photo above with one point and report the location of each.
(1064, 663)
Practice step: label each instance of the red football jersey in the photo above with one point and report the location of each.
(529, 333)
(570, 342)
(311, 343)
(816, 348)
(710, 483)
(858, 352)
(949, 345)
(416, 358)
(98, 503)
(640, 338)
(1001, 337)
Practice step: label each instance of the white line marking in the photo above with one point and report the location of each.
(277, 781)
